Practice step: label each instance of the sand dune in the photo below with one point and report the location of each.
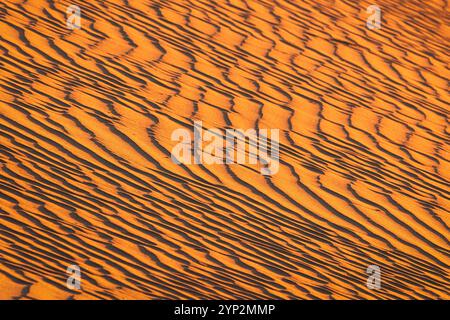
(86, 175)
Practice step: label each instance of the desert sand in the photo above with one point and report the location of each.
(86, 177)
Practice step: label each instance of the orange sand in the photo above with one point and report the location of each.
(86, 176)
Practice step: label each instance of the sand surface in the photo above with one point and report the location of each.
(86, 176)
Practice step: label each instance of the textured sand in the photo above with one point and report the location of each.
(86, 177)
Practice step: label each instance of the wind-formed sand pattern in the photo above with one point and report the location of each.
(86, 175)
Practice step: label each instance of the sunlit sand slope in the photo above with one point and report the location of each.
(86, 178)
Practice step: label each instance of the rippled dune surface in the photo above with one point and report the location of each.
(86, 178)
